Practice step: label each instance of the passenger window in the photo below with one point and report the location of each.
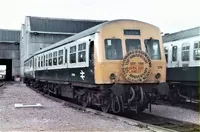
(197, 50)
(35, 63)
(174, 53)
(41, 61)
(30, 63)
(132, 44)
(65, 55)
(81, 52)
(50, 59)
(153, 48)
(185, 52)
(113, 49)
(73, 54)
(55, 58)
(47, 60)
(44, 61)
(166, 53)
(38, 61)
(60, 57)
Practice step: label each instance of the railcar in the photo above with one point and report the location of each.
(183, 64)
(117, 65)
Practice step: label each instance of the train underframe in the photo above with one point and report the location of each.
(116, 98)
(184, 92)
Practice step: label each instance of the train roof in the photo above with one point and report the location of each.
(181, 34)
(85, 33)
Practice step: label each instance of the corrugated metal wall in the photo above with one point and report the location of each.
(61, 25)
(9, 35)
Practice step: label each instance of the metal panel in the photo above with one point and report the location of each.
(181, 35)
(9, 35)
(61, 25)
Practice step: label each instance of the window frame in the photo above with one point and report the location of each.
(55, 57)
(184, 49)
(132, 39)
(105, 53)
(50, 58)
(196, 49)
(159, 43)
(74, 52)
(60, 56)
(83, 49)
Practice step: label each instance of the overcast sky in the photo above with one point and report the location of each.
(168, 15)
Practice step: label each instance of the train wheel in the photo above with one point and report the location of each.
(84, 100)
(174, 97)
(105, 105)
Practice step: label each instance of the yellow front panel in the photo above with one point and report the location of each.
(103, 67)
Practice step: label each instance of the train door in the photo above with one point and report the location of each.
(91, 54)
(166, 49)
(174, 56)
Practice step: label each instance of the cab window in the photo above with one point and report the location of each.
(132, 44)
(113, 49)
(153, 48)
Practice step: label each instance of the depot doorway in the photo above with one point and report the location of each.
(8, 64)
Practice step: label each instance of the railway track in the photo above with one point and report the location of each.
(186, 105)
(143, 120)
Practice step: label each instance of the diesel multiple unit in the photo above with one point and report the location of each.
(116, 65)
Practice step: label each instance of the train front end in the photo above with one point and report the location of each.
(130, 62)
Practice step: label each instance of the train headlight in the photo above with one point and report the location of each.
(158, 75)
(112, 76)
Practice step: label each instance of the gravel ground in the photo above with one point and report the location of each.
(53, 116)
(177, 113)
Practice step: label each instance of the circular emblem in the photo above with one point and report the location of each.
(136, 66)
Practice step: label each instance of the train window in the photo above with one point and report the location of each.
(60, 57)
(153, 48)
(113, 49)
(47, 60)
(35, 63)
(73, 54)
(44, 60)
(41, 61)
(174, 53)
(197, 50)
(82, 52)
(31, 63)
(166, 53)
(132, 44)
(65, 55)
(55, 58)
(38, 61)
(50, 59)
(185, 51)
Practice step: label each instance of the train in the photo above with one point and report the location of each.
(118, 65)
(183, 66)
